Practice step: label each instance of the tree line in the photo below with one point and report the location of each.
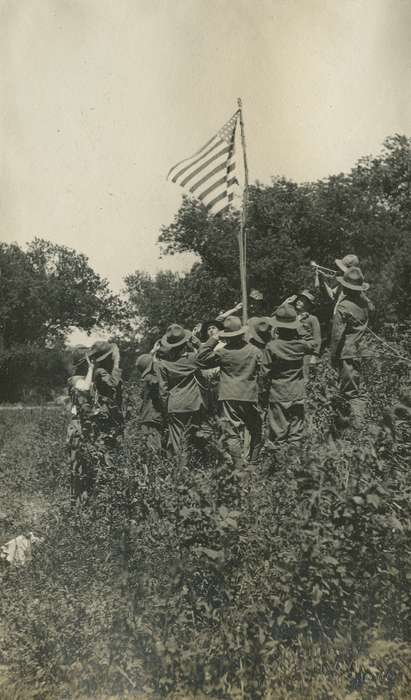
(46, 289)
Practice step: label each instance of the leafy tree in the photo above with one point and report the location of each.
(46, 289)
(156, 301)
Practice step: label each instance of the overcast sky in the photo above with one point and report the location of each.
(100, 98)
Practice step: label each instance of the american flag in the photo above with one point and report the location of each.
(210, 174)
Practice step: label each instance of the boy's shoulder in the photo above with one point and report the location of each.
(353, 306)
(280, 345)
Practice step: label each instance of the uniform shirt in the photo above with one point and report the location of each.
(311, 329)
(181, 385)
(239, 369)
(350, 324)
(283, 367)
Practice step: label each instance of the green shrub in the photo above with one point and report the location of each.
(287, 580)
(32, 373)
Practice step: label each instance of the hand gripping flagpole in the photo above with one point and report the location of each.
(242, 237)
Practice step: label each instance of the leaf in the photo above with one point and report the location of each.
(373, 499)
(229, 522)
(396, 524)
(358, 500)
(213, 554)
(288, 606)
(317, 594)
(330, 560)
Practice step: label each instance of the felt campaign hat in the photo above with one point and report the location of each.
(259, 328)
(100, 350)
(232, 327)
(144, 363)
(175, 336)
(305, 294)
(353, 279)
(346, 262)
(285, 317)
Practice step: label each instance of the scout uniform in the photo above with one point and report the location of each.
(348, 342)
(310, 330)
(259, 333)
(181, 386)
(151, 413)
(211, 375)
(283, 361)
(97, 420)
(239, 364)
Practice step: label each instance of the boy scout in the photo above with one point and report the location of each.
(239, 364)
(348, 343)
(151, 413)
(310, 325)
(283, 361)
(181, 386)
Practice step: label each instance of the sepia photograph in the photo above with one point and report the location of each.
(205, 350)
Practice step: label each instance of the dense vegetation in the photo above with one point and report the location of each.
(288, 580)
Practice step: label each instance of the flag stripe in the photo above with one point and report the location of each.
(217, 199)
(221, 206)
(211, 173)
(205, 164)
(175, 177)
(197, 153)
(221, 181)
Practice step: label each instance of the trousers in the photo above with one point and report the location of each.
(235, 416)
(352, 388)
(286, 422)
(181, 430)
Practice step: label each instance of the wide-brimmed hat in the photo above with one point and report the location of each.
(175, 336)
(285, 317)
(259, 328)
(256, 295)
(232, 327)
(206, 325)
(100, 350)
(144, 363)
(353, 279)
(307, 295)
(346, 262)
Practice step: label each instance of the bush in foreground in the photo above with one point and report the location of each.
(290, 580)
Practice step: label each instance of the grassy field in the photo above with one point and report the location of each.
(290, 580)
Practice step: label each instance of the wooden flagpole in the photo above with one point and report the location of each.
(242, 237)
